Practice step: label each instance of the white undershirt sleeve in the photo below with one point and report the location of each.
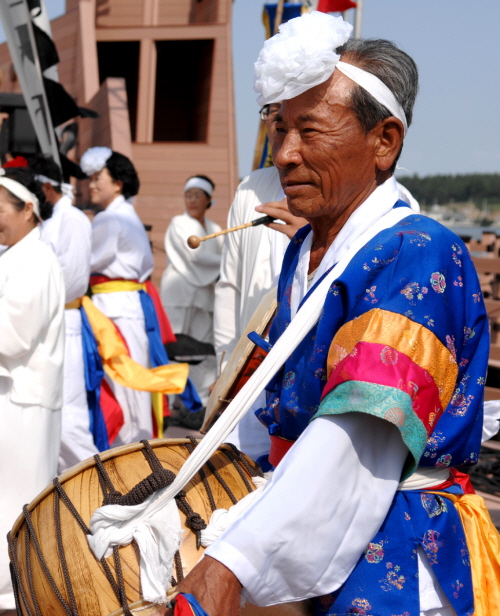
(325, 502)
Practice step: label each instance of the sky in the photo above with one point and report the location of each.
(456, 126)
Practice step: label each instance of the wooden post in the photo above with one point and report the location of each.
(358, 19)
(279, 15)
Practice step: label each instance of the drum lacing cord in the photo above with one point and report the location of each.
(159, 478)
(30, 534)
(86, 530)
(239, 469)
(17, 583)
(194, 520)
(62, 553)
(253, 472)
(215, 472)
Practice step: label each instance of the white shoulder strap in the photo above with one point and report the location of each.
(301, 324)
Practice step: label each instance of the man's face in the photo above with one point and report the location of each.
(325, 160)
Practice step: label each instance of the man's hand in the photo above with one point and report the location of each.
(214, 585)
(279, 209)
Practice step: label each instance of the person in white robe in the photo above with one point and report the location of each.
(31, 356)
(68, 233)
(188, 282)
(251, 258)
(121, 252)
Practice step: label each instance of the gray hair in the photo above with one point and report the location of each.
(392, 66)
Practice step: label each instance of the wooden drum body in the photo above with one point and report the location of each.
(56, 573)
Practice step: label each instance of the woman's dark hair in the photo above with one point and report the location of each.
(122, 170)
(45, 165)
(26, 177)
(207, 179)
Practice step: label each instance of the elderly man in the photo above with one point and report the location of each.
(383, 397)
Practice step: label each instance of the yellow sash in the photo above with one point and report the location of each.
(74, 305)
(483, 543)
(115, 286)
(120, 367)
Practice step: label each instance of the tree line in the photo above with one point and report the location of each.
(443, 189)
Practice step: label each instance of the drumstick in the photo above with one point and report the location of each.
(194, 241)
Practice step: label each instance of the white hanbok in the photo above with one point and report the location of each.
(251, 260)
(31, 371)
(68, 233)
(250, 267)
(121, 249)
(187, 289)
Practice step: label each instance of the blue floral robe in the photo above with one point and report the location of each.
(403, 336)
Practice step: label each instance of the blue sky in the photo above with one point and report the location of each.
(456, 127)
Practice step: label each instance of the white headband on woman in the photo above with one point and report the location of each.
(21, 192)
(199, 183)
(302, 55)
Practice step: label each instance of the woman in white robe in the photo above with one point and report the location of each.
(188, 283)
(31, 356)
(121, 253)
(68, 233)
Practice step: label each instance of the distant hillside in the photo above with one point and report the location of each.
(455, 188)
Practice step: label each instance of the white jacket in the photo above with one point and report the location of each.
(68, 232)
(32, 300)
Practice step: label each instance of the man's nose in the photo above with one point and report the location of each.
(288, 151)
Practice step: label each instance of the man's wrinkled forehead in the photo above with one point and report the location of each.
(313, 104)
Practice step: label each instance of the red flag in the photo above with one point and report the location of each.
(333, 6)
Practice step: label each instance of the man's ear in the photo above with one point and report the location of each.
(390, 134)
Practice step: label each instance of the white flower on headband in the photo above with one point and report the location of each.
(94, 159)
(301, 56)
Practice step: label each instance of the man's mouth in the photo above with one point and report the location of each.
(291, 187)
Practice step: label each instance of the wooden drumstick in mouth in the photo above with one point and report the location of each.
(194, 241)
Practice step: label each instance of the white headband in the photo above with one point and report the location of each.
(21, 192)
(302, 55)
(377, 88)
(199, 183)
(66, 189)
(94, 159)
(43, 179)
